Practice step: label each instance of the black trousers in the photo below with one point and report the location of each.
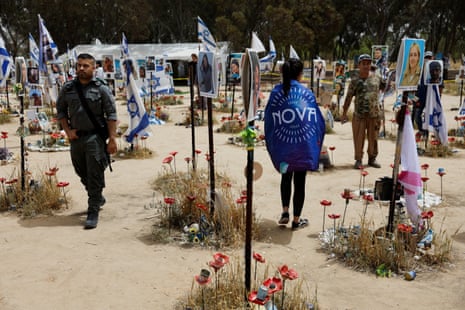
(299, 190)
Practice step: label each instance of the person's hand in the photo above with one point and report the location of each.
(72, 135)
(344, 119)
(111, 146)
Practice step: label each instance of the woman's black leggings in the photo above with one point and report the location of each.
(299, 190)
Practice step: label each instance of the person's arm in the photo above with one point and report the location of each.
(347, 102)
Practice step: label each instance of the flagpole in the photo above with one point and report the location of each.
(191, 82)
(211, 161)
(395, 170)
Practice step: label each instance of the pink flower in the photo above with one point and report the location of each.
(273, 284)
(325, 203)
(167, 160)
(288, 273)
(258, 257)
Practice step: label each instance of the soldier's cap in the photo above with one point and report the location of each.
(429, 54)
(364, 57)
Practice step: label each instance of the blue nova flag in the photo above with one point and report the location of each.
(5, 63)
(294, 129)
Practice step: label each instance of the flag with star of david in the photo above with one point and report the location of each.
(5, 63)
(138, 117)
(435, 120)
(205, 36)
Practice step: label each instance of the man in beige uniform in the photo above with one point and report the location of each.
(367, 114)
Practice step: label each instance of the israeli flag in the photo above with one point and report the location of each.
(33, 50)
(204, 35)
(124, 47)
(435, 120)
(47, 47)
(5, 63)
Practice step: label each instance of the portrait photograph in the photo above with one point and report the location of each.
(410, 60)
(379, 56)
(206, 73)
(319, 69)
(33, 75)
(235, 67)
(108, 65)
(433, 72)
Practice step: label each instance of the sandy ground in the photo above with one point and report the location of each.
(50, 262)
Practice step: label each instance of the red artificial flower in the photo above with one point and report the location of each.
(288, 273)
(424, 166)
(334, 216)
(332, 148)
(325, 202)
(173, 153)
(62, 184)
(2, 180)
(55, 135)
(451, 139)
(187, 159)
(441, 173)
(167, 160)
(54, 169)
(253, 299)
(169, 200)
(191, 197)
(404, 228)
(347, 195)
(258, 257)
(427, 214)
(364, 173)
(239, 200)
(368, 197)
(220, 257)
(12, 181)
(435, 142)
(50, 173)
(273, 284)
(202, 280)
(424, 179)
(198, 151)
(202, 207)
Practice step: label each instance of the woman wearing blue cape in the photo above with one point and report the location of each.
(294, 133)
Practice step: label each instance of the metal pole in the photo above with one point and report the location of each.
(395, 171)
(211, 151)
(23, 159)
(191, 89)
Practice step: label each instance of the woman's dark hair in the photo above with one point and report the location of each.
(291, 70)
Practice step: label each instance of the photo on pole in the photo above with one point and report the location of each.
(206, 73)
(433, 72)
(410, 63)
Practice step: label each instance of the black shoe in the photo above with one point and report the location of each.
(301, 224)
(284, 218)
(92, 220)
(358, 164)
(373, 163)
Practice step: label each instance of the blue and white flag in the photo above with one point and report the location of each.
(293, 53)
(138, 117)
(435, 120)
(257, 44)
(47, 47)
(33, 50)
(204, 35)
(271, 54)
(124, 47)
(5, 63)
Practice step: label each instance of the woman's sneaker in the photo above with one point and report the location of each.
(284, 218)
(301, 224)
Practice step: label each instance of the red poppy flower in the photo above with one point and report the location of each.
(273, 284)
(202, 207)
(54, 169)
(239, 200)
(258, 257)
(221, 258)
(216, 265)
(334, 216)
(50, 173)
(347, 195)
(332, 148)
(288, 273)
(427, 214)
(187, 159)
(424, 179)
(435, 142)
(173, 153)
(12, 181)
(169, 200)
(424, 166)
(368, 197)
(198, 151)
(202, 280)
(451, 139)
(167, 160)
(253, 299)
(364, 173)
(325, 203)
(441, 173)
(2, 180)
(404, 228)
(55, 135)
(62, 184)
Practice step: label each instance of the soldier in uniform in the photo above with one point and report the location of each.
(366, 119)
(88, 153)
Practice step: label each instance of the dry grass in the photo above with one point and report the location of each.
(366, 249)
(191, 204)
(40, 196)
(227, 290)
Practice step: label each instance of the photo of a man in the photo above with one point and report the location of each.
(433, 72)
